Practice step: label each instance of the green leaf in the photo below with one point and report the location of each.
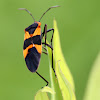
(59, 56)
(42, 95)
(63, 85)
(93, 86)
(47, 89)
(66, 89)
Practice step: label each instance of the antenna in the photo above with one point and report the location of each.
(28, 12)
(47, 11)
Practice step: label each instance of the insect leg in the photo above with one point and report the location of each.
(44, 48)
(45, 52)
(52, 46)
(45, 28)
(45, 32)
(43, 78)
(48, 45)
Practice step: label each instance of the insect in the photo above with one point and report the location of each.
(32, 47)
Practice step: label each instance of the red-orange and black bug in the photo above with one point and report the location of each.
(32, 47)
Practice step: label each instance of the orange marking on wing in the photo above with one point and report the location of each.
(39, 23)
(37, 31)
(25, 52)
(26, 36)
(38, 47)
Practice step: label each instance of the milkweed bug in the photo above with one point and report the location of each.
(32, 47)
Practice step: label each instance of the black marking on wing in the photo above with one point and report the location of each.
(31, 28)
(34, 40)
(32, 59)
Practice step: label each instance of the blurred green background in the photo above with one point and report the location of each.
(79, 28)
